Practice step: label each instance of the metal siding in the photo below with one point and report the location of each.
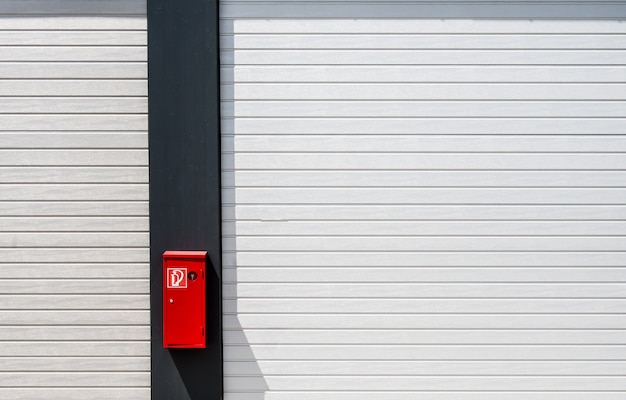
(74, 205)
(423, 200)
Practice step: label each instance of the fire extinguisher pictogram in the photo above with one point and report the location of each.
(177, 278)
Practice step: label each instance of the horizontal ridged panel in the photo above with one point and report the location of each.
(424, 179)
(121, 192)
(391, 212)
(71, 140)
(74, 206)
(73, 7)
(74, 271)
(78, 157)
(74, 379)
(428, 336)
(72, 240)
(77, 333)
(70, 71)
(72, 53)
(429, 368)
(296, 125)
(425, 143)
(399, 195)
(421, 274)
(74, 192)
(75, 302)
(104, 286)
(71, 317)
(74, 122)
(405, 228)
(236, 9)
(307, 41)
(410, 395)
(65, 87)
(374, 57)
(78, 255)
(36, 19)
(421, 321)
(387, 383)
(405, 244)
(408, 306)
(423, 290)
(373, 353)
(76, 393)
(75, 348)
(425, 109)
(71, 38)
(55, 217)
(438, 92)
(425, 258)
(423, 74)
(58, 105)
(75, 175)
(423, 200)
(413, 26)
(423, 161)
(75, 364)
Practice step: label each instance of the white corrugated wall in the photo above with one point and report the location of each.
(424, 200)
(74, 274)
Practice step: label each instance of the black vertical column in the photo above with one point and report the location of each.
(184, 140)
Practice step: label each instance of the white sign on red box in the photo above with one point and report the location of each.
(177, 278)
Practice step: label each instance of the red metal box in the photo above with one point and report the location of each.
(184, 299)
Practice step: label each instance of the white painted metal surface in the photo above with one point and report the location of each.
(74, 274)
(424, 200)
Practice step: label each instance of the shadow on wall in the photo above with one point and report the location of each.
(242, 373)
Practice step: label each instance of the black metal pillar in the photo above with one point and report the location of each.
(184, 140)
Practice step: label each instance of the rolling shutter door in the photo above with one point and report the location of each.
(74, 303)
(424, 200)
